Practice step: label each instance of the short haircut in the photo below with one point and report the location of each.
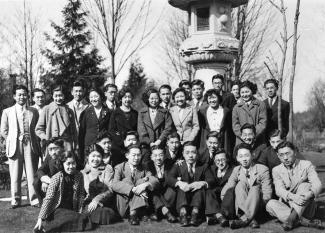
(157, 147)
(78, 83)
(98, 91)
(19, 87)
(221, 151)
(103, 134)
(275, 133)
(248, 126)
(286, 144)
(94, 147)
(179, 89)
(243, 146)
(132, 133)
(249, 85)
(58, 88)
(109, 85)
(173, 135)
(189, 143)
(67, 155)
(123, 92)
(234, 83)
(197, 82)
(56, 141)
(272, 80)
(165, 86)
(184, 82)
(133, 146)
(147, 93)
(213, 134)
(218, 76)
(211, 92)
(37, 90)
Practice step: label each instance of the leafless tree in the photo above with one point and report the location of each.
(316, 103)
(124, 27)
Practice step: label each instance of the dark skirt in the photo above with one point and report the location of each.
(64, 220)
(104, 216)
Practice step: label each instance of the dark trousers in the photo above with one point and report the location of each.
(164, 197)
(190, 199)
(37, 183)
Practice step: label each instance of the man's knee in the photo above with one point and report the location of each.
(241, 187)
(303, 188)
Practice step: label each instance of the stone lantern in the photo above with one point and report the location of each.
(210, 47)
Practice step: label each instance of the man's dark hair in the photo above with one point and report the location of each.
(19, 87)
(184, 82)
(109, 85)
(59, 88)
(133, 133)
(272, 80)
(275, 133)
(78, 83)
(189, 143)
(285, 144)
(248, 126)
(173, 135)
(165, 86)
(197, 82)
(211, 92)
(56, 141)
(218, 76)
(243, 146)
(213, 134)
(103, 134)
(37, 90)
(133, 146)
(157, 147)
(234, 83)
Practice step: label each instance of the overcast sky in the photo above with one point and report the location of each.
(311, 50)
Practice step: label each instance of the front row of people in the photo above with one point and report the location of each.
(170, 186)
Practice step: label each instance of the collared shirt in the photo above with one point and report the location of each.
(153, 114)
(172, 154)
(160, 171)
(272, 100)
(189, 167)
(110, 105)
(165, 105)
(20, 108)
(180, 113)
(214, 118)
(76, 104)
(197, 103)
(247, 173)
(291, 170)
(221, 173)
(97, 111)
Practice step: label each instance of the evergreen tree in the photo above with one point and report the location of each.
(72, 57)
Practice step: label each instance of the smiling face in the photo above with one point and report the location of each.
(217, 84)
(130, 140)
(77, 93)
(105, 144)
(187, 88)
(271, 90)
(134, 156)
(165, 95)
(95, 159)
(58, 97)
(127, 99)
(212, 144)
(235, 90)
(21, 96)
(54, 151)
(287, 156)
(246, 94)
(180, 99)
(197, 92)
(220, 160)
(244, 157)
(70, 166)
(213, 101)
(248, 136)
(111, 94)
(158, 156)
(190, 154)
(95, 99)
(173, 144)
(39, 98)
(153, 100)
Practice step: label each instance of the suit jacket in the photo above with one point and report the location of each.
(269, 158)
(220, 182)
(272, 116)
(54, 194)
(198, 107)
(90, 125)
(83, 105)
(10, 130)
(205, 158)
(259, 175)
(205, 127)
(202, 173)
(161, 128)
(123, 183)
(254, 114)
(188, 127)
(150, 166)
(119, 125)
(229, 101)
(179, 155)
(303, 171)
(48, 168)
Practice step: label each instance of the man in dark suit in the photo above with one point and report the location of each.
(213, 145)
(271, 87)
(163, 197)
(165, 94)
(197, 94)
(190, 179)
(173, 149)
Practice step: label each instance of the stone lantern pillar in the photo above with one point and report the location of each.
(210, 47)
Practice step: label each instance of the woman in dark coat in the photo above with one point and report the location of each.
(93, 120)
(154, 122)
(123, 120)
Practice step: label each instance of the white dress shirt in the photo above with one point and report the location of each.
(215, 118)
(97, 111)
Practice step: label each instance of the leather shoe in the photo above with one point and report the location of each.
(315, 223)
(15, 206)
(194, 220)
(153, 217)
(183, 221)
(223, 221)
(254, 224)
(134, 220)
(171, 218)
(212, 220)
(235, 224)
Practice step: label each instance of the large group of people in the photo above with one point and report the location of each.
(191, 155)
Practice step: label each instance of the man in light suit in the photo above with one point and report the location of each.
(22, 148)
(297, 185)
(252, 185)
(78, 104)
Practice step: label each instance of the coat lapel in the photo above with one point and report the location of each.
(186, 112)
(146, 118)
(184, 172)
(159, 119)
(253, 174)
(175, 115)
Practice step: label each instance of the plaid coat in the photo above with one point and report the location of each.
(54, 194)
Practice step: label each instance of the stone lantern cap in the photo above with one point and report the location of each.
(184, 4)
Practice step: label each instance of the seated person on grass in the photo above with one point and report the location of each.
(104, 140)
(213, 142)
(132, 185)
(50, 167)
(163, 197)
(252, 185)
(297, 185)
(190, 180)
(173, 148)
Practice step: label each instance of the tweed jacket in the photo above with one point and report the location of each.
(104, 175)
(187, 126)
(254, 114)
(259, 175)
(162, 127)
(52, 124)
(123, 183)
(303, 171)
(10, 130)
(54, 195)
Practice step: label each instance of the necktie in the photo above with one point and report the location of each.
(133, 175)
(191, 173)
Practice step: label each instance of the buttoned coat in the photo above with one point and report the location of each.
(160, 129)
(10, 130)
(188, 125)
(259, 175)
(254, 114)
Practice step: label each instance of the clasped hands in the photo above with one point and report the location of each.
(300, 199)
(186, 187)
(140, 190)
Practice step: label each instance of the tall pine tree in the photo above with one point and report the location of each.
(71, 56)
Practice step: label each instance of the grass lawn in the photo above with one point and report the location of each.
(23, 219)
